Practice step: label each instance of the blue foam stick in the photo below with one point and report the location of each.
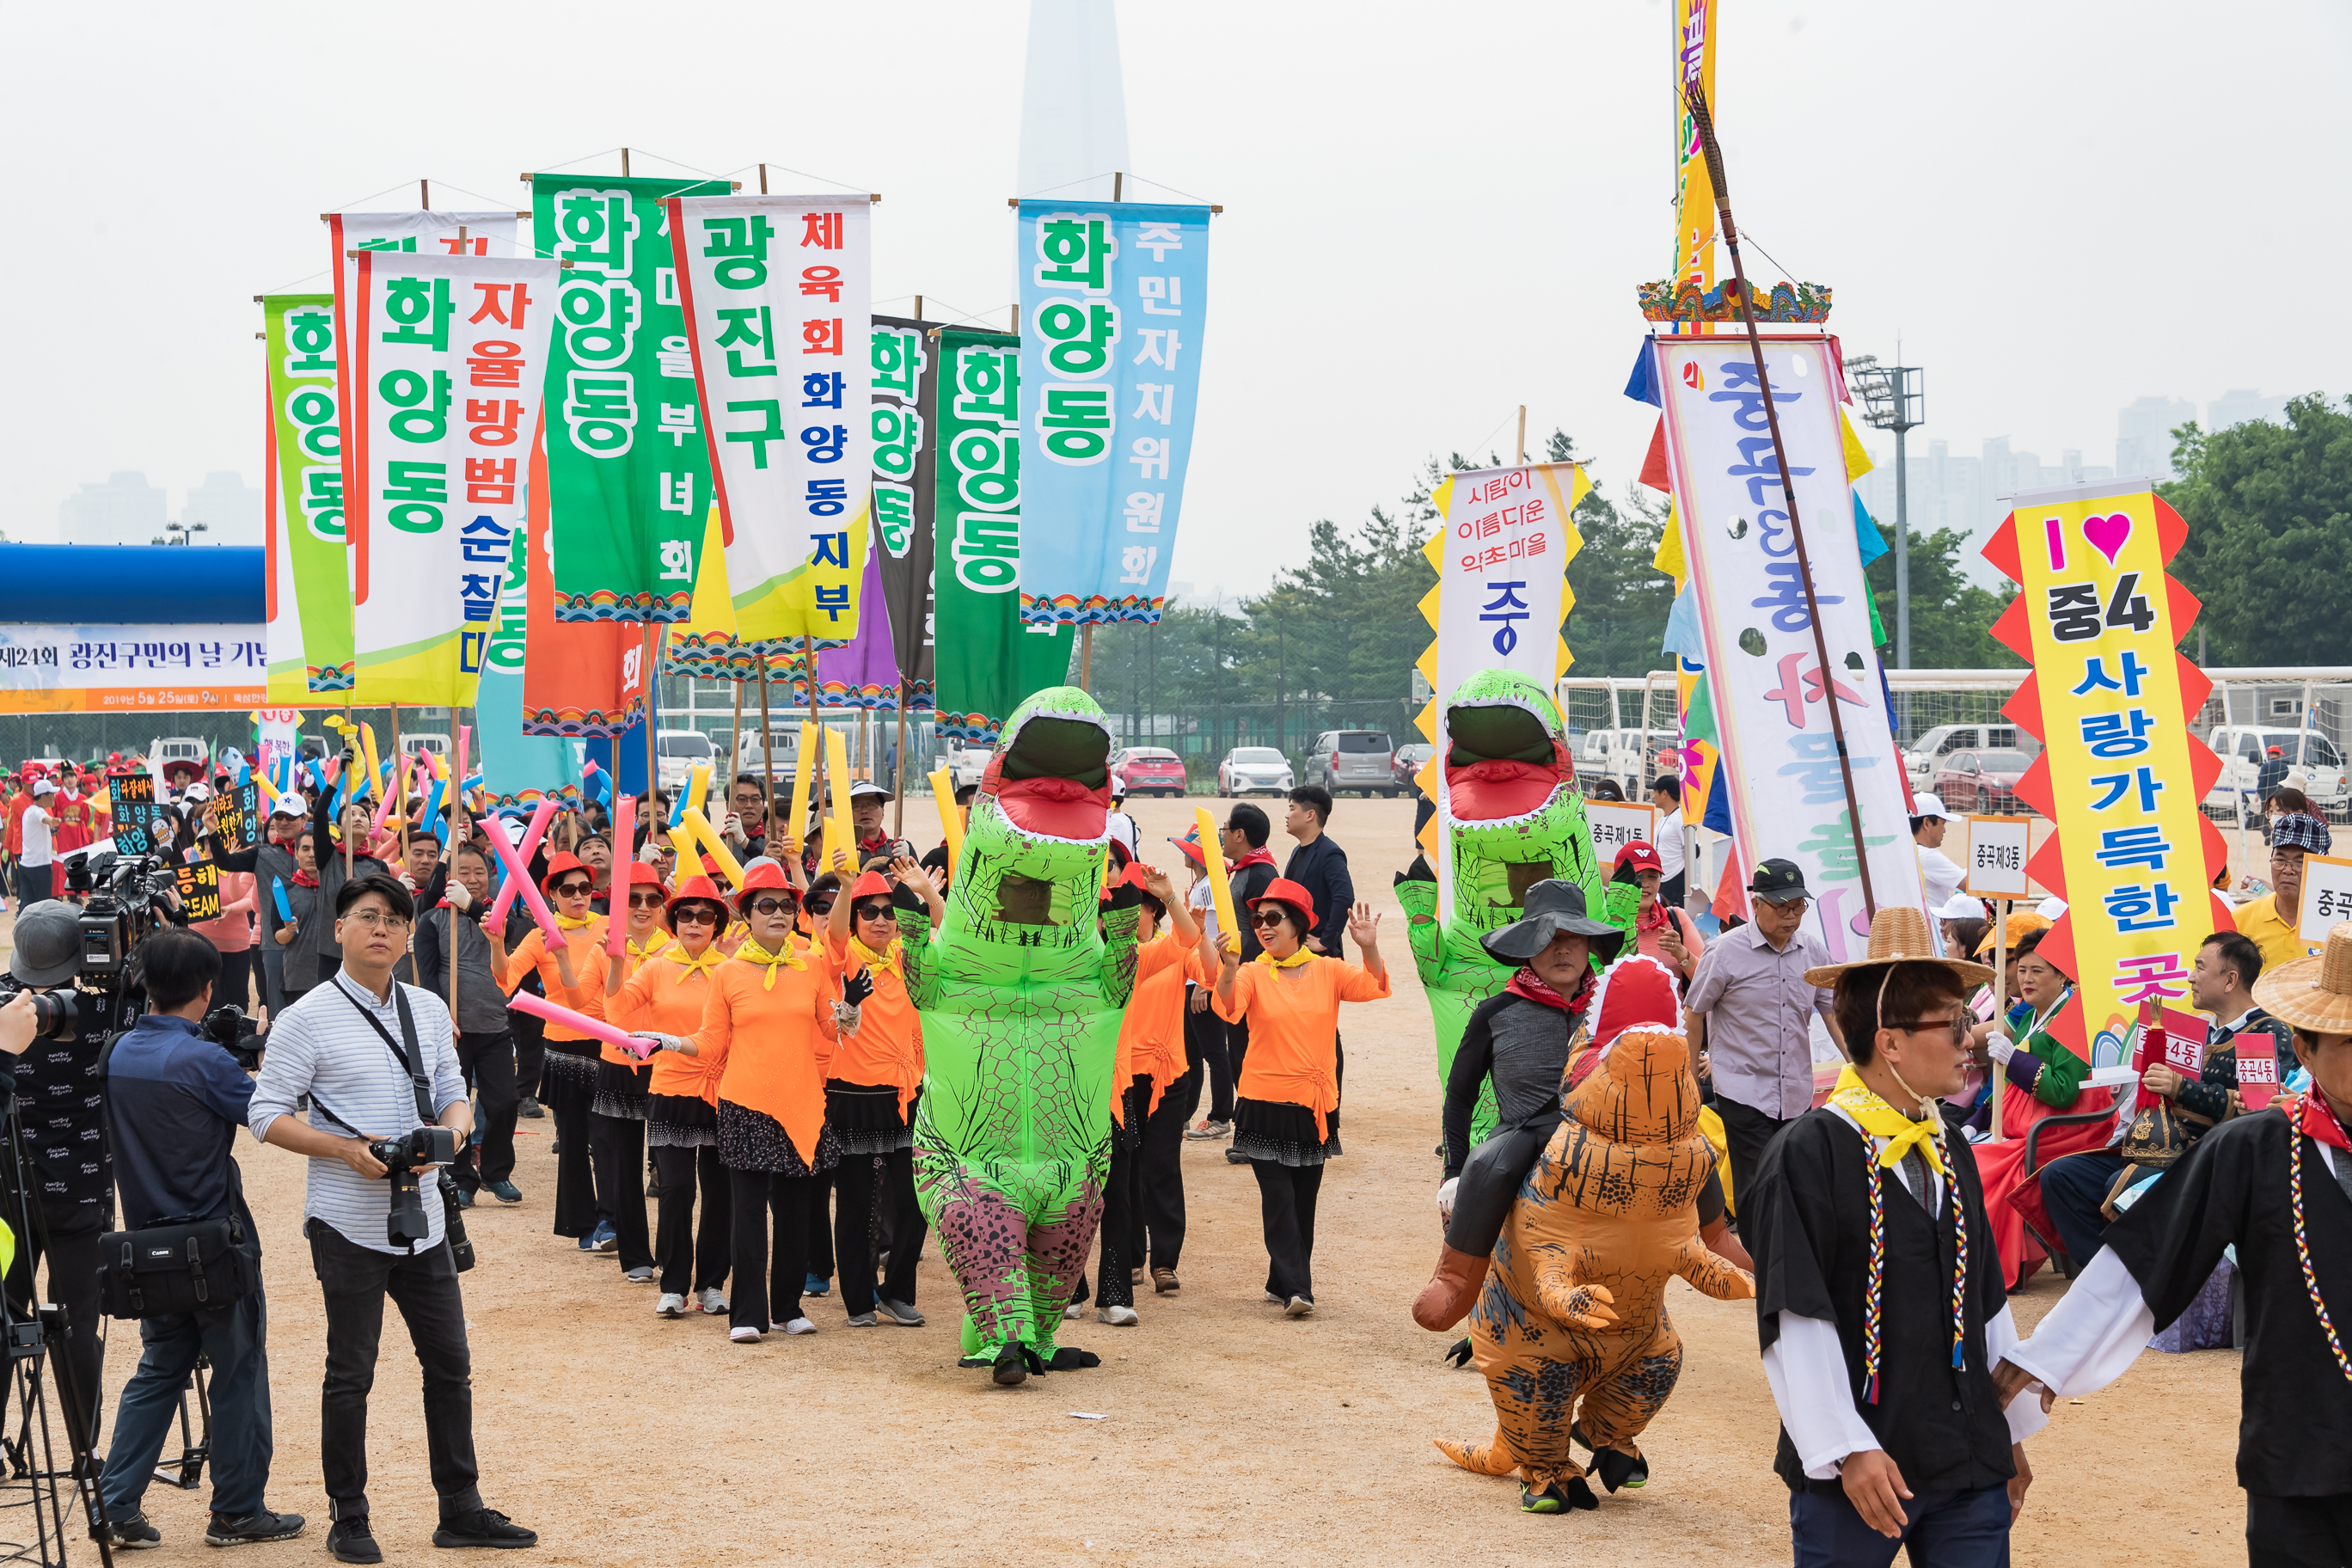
(277, 891)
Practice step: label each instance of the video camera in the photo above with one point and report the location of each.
(122, 897)
(232, 1031)
(432, 1145)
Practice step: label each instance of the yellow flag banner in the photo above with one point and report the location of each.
(2122, 773)
(1695, 24)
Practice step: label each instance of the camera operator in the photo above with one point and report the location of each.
(175, 1100)
(59, 1106)
(366, 1049)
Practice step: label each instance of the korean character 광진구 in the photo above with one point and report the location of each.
(419, 310)
(770, 413)
(748, 328)
(741, 245)
(1079, 336)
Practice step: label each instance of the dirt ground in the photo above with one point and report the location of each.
(1227, 1433)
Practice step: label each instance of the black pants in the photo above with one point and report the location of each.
(530, 1054)
(2298, 1532)
(1122, 1207)
(1162, 1178)
(489, 1062)
(693, 1257)
(575, 1172)
(619, 1144)
(863, 1201)
(235, 982)
(820, 1235)
(1205, 1042)
(1747, 1130)
(71, 1252)
(1285, 1197)
(34, 883)
(767, 1289)
(424, 1286)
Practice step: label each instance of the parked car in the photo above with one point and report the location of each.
(1148, 769)
(1411, 758)
(1249, 769)
(677, 753)
(1632, 757)
(429, 742)
(1980, 781)
(1352, 759)
(1928, 753)
(2243, 749)
(784, 742)
(967, 764)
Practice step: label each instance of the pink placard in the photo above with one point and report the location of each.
(2258, 1074)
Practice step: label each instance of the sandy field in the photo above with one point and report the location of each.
(1227, 1434)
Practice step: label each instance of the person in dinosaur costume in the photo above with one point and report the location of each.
(1020, 991)
(1570, 1326)
(1513, 816)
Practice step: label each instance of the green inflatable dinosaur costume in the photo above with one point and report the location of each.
(1020, 991)
(1515, 817)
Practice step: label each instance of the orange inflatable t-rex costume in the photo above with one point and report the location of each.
(1570, 1328)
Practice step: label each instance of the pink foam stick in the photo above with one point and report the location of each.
(457, 779)
(517, 868)
(623, 818)
(595, 1029)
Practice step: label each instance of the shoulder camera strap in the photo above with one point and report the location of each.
(411, 1059)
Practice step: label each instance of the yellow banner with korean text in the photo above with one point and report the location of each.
(2122, 773)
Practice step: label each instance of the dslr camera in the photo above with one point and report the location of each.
(56, 1015)
(432, 1145)
(232, 1031)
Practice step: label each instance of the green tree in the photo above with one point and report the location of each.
(2269, 509)
(1618, 623)
(1952, 617)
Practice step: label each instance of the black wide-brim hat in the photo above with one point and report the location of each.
(1552, 907)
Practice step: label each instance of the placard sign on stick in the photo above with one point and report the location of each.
(200, 897)
(2258, 1073)
(131, 799)
(235, 816)
(2184, 1041)
(2326, 897)
(1614, 826)
(1997, 856)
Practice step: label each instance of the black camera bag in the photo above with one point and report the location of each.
(185, 1265)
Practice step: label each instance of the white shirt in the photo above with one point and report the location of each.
(1670, 845)
(36, 836)
(1941, 874)
(1204, 901)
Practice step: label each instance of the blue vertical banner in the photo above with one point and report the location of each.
(1114, 306)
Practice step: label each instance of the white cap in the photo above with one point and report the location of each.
(2051, 908)
(1923, 806)
(197, 794)
(1962, 907)
(42, 787)
(1118, 787)
(288, 804)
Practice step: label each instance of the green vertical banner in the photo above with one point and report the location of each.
(987, 661)
(628, 465)
(309, 596)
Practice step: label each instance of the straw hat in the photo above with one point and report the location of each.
(1899, 935)
(2313, 994)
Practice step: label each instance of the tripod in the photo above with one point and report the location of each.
(194, 1450)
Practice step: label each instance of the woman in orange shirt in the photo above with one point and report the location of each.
(665, 997)
(1287, 1110)
(770, 1014)
(568, 1081)
(1150, 1058)
(870, 1087)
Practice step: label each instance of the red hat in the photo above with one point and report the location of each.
(869, 883)
(1282, 890)
(695, 889)
(560, 862)
(760, 879)
(1639, 856)
(1637, 992)
(639, 871)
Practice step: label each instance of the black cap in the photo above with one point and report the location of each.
(1778, 882)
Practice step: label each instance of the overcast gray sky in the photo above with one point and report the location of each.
(1433, 214)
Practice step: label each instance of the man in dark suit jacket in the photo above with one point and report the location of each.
(1320, 866)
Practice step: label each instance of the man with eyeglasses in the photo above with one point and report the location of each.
(1758, 1006)
(348, 1046)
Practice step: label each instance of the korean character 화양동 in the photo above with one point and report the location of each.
(600, 411)
(825, 442)
(418, 491)
(677, 421)
(770, 412)
(505, 303)
(1077, 422)
(821, 283)
(310, 342)
(740, 247)
(594, 231)
(423, 402)
(419, 310)
(822, 389)
(820, 335)
(494, 363)
(827, 497)
(600, 319)
(986, 383)
(988, 468)
(491, 481)
(492, 421)
(312, 409)
(1074, 251)
(323, 502)
(894, 515)
(1079, 336)
(898, 362)
(898, 436)
(749, 339)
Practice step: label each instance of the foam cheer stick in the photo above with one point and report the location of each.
(700, 825)
(277, 889)
(1221, 887)
(841, 832)
(595, 1029)
(616, 933)
(797, 823)
(943, 796)
(516, 862)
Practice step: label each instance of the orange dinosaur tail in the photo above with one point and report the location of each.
(1480, 1459)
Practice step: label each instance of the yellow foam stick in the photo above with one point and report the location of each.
(689, 853)
(700, 825)
(698, 785)
(269, 790)
(804, 764)
(943, 794)
(367, 753)
(1219, 889)
(841, 833)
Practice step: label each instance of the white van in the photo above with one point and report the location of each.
(1926, 753)
(1629, 756)
(680, 752)
(2243, 748)
(784, 742)
(436, 744)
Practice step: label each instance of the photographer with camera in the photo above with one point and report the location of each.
(174, 1101)
(387, 1101)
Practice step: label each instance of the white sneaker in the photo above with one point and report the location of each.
(798, 1326)
(1074, 1311)
(714, 1301)
(746, 1335)
(1299, 1306)
(671, 1305)
(1118, 1317)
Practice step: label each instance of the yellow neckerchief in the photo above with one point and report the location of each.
(1880, 1119)
(753, 952)
(707, 964)
(574, 923)
(888, 961)
(655, 943)
(1292, 962)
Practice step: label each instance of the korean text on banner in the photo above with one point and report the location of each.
(2326, 898)
(581, 679)
(1694, 66)
(992, 660)
(448, 355)
(2121, 772)
(905, 457)
(310, 614)
(1615, 825)
(1780, 761)
(627, 456)
(1999, 848)
(775, 295)
(109, 668)
(1115, 302)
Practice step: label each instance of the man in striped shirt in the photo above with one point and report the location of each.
(342, 1045)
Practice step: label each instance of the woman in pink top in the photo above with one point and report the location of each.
(232, 936)
(1660, 930)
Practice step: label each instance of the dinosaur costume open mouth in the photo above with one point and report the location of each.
(1054, 780)
(1502, 762)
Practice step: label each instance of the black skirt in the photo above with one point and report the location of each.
(568, 1081)
(865, 1117)
(680, 1122)
(753, 1140)
(1283, 1132)
(621, 1091)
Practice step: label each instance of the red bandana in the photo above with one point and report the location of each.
(2316, 1118)
(306, 879)
(1526, 987)
(1258, 856)
(1654, 917)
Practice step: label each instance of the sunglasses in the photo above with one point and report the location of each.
(1958, 1028)
(872, 911)
(820, 906)
(772, 906)
(574, 890)
(1267, 917)
(695, 915)
(647, 900)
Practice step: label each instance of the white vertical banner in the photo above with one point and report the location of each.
(1787, 791)
(777, 292)
(446, 356)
